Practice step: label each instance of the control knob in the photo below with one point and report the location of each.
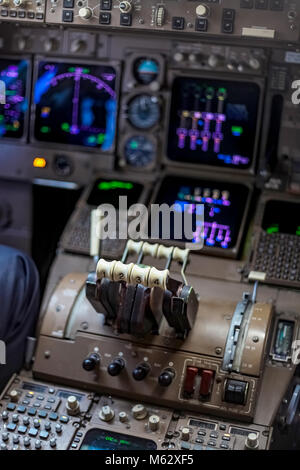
(213, 61)
(254, 63)
(166, 378)
(141, 371)
(14, 396)
(139, 412)
(185, 434)
(51, 44)
(91, 362)
(85, 13)
(115, 368)
(18, 3)
(179, 57)
(201, 10)
(72, 406)
(125, 6)
(252, 441)
(106, 414)
(153, 422)
(78, 45)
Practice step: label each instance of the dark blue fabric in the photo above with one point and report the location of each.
(19, 305)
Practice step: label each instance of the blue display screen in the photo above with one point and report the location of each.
(76, 104)
(213, 122)
(100, 439)
(13, 99)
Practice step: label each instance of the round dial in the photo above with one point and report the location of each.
(139, 151)
(144, 111)
(146, 70)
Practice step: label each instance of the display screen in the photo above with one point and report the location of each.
(13, 99)
(224, 207)
(283, 340)
(76, 104)
(108, 192)
(99, 439)
(213, 122)
(282, 217)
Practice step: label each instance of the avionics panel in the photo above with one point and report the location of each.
(276, 247)
(214, 122)
(273, 20)
(76, 103)
(14, 87)
(225, 210)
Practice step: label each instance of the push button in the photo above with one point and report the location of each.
(261, 4)
(189, 383)
(178, 22)
(105, 18)
(247, 3)
(201, 24)
(276, 5)
(67, 16)
(227, 27)
(125, 19)
(105, 4)
(228, 14)
(236, 391)
(68, 4)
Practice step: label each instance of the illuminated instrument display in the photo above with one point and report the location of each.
(213, 122)
(13, 100)
(146, 70)
(139, 151)
(224, 206)
(144, 111)
(76, 104)
(282, 348)
(99, 439)
(109, 191)
(282, 217)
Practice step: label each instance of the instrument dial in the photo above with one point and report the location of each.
(144, 111)
(139, 151)
(146, 70)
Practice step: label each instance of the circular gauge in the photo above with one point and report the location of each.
(139, 151)
(144, 111)
(146, 70)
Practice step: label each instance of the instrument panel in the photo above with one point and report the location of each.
(190, 104)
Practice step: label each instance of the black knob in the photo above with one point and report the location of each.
(141, 371)
(166, 378)
(91, 362)
(116, 367)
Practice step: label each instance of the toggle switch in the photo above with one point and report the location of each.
(166, 378)
(207, 377)
(115, 368)
(189, 382)
(91, 362)
(141, 371)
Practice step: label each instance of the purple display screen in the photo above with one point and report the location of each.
(76, 104)
(13, 97)
(224, 207)
(213, 122)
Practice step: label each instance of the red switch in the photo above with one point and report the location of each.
(206, 382)
(190, 375)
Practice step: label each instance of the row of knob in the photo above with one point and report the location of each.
(117, 365)
(139, 412)
(213, 61)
